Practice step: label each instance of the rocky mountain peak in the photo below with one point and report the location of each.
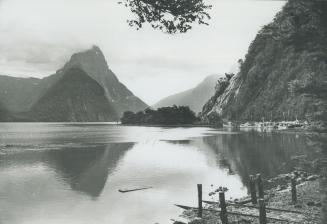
(93, 62)
(96, 48)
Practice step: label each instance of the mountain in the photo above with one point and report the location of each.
(284, 72)
(25, 97)
(94, 64)
(19, 94)
(75, 97)
(194, 98)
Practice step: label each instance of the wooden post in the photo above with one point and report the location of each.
(252, 190)
(200, 200)
(223, 213)
(260, 186)
(293, 184)
(262, 212)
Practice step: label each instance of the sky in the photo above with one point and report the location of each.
(38, 36)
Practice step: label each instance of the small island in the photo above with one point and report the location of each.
(175, 115)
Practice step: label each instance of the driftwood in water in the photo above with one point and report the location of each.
(137, 189)
(231, 213)
(253, 206)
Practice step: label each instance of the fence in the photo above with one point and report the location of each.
(255, 184)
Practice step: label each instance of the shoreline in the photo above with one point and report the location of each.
(309, 129)
(244, 129)
(171, 125)
(307, 209)
(310, 207)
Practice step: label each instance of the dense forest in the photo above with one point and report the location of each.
(283, 75)
(175, 115)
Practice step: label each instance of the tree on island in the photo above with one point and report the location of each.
(175, 115)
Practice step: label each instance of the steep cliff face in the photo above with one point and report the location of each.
(76, 97)
(193, 98)
(94, 64)
(284, 75)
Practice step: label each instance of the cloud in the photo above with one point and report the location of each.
(40, 57)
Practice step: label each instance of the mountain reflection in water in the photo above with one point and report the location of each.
(87, 171)
(252, 152)
(71, 173)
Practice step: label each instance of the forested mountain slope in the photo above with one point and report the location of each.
(284, 74)
(76, 97)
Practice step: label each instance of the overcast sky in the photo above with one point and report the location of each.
(38, 36)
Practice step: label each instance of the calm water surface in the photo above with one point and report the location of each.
(71, 173)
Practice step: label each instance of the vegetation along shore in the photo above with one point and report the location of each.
(294, 197)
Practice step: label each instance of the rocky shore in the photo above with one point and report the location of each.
(307, 209)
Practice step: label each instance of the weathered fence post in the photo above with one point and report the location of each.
(223, 213)
(260, 186)
(200, 200)
(262, 211)
(293, 184)
(252, 190)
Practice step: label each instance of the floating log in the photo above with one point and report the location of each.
(231, 213)
(137, 189)
(256, 207)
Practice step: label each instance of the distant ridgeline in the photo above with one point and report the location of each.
(284, 74)
(85, 89)
(175, 115)
(193, 98)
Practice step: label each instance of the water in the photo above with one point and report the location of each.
(71, 173)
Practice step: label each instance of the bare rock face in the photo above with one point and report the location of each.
(284, 72)
(222, 93)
